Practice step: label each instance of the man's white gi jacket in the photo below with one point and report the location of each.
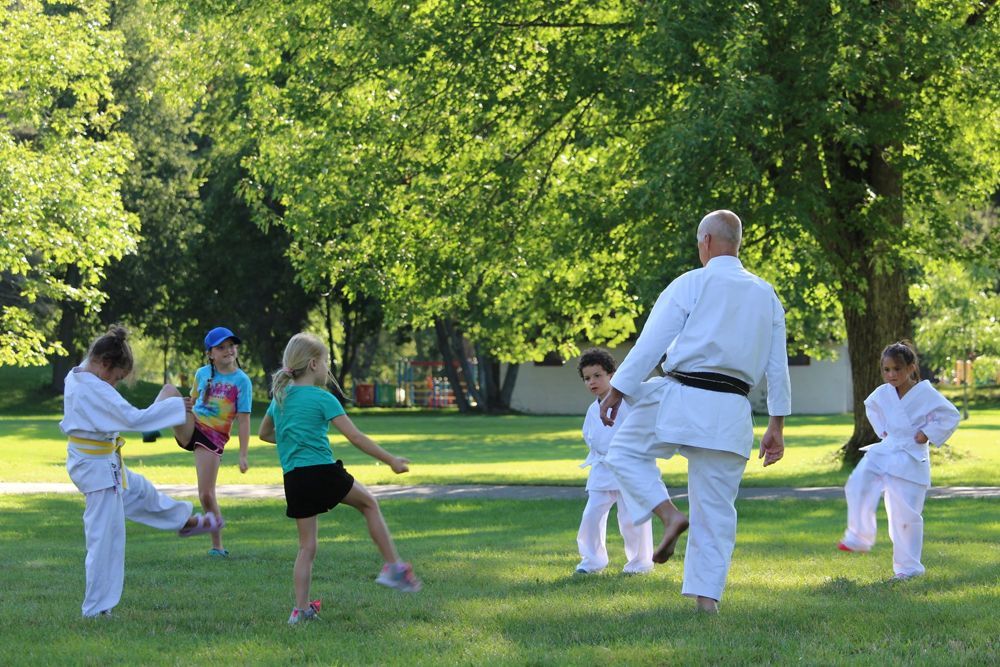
(721, 319)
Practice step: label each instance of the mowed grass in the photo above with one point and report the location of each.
(448, 448)
(499, 590)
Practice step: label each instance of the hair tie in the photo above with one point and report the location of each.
(288, 370)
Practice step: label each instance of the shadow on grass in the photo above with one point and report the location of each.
(498, 589)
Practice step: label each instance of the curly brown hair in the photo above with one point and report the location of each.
(596, 356)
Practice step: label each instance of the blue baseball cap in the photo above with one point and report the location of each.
(218, 336)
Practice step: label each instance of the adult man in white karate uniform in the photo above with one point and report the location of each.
(722, 329)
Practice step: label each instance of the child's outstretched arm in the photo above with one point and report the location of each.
(266, 432)
(369, 446)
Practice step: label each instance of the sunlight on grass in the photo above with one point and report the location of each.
(499, 588)
(454, 449)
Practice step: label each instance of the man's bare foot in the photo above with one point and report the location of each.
(706, 605)
(671, 532)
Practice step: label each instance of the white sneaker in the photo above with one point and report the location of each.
(310, 613)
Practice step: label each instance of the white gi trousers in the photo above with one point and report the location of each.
(592, 537)
(104, 531)
(713, 483)
(904, 504)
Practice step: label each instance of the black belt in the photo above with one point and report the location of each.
(711, 382)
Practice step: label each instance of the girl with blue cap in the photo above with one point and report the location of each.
(222, 394)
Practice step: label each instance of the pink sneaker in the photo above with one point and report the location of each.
(844, 547)
(310, 613)
(203, 523)
(399, 576)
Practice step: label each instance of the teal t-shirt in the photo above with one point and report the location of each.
(301, 423)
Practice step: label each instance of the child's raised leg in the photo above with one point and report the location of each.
(395, 573)
(302, 574)
(207, 465)
(361, 499)
(145, 505)
(185, 431)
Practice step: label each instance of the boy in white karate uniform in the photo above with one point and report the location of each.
(906, 414)
(596, 368)
(94, 413)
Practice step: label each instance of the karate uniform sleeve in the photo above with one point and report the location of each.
(942, 421)
(779, 384)
(665, 321)
(876, 416)
(112, 412)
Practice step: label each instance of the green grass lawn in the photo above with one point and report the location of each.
(497, 574)
(498, 590)
(448, 448)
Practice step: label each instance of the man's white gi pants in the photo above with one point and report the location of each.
(592, 538)
(104, 530)
(713, 482)
(904, 503)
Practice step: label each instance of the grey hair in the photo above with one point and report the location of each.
(723, 225)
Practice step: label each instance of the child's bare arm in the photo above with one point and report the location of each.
(266, 432)
(369, 446)
(243, 424)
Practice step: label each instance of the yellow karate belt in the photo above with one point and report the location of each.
(102, 448)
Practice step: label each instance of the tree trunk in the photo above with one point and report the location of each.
(876, 303)
(472, 383)
(328, 312)
(486, 380)
(67, 334)
(497, 393)
(450, 367)
(166, 360)
(509, 380)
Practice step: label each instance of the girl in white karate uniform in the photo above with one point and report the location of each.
(94, 413)
(906, 414)
(596, 367)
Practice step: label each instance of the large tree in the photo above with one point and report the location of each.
(61, 165)
(520, 173)
(838, 126)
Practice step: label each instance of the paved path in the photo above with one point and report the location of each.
(501, 492)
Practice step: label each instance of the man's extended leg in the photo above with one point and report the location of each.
(632, 457)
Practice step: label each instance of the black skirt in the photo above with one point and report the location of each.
(312, 490)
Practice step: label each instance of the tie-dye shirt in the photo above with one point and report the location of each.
(219, 401)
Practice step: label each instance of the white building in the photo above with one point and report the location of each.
(818, 387)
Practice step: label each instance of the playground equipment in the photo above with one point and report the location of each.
(419, 383)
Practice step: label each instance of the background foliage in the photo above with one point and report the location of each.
(511, 180)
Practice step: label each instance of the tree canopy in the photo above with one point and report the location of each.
(61, 164)
(527, 176)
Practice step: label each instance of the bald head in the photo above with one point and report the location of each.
(719, 233)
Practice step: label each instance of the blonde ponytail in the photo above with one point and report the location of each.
(301, 349)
